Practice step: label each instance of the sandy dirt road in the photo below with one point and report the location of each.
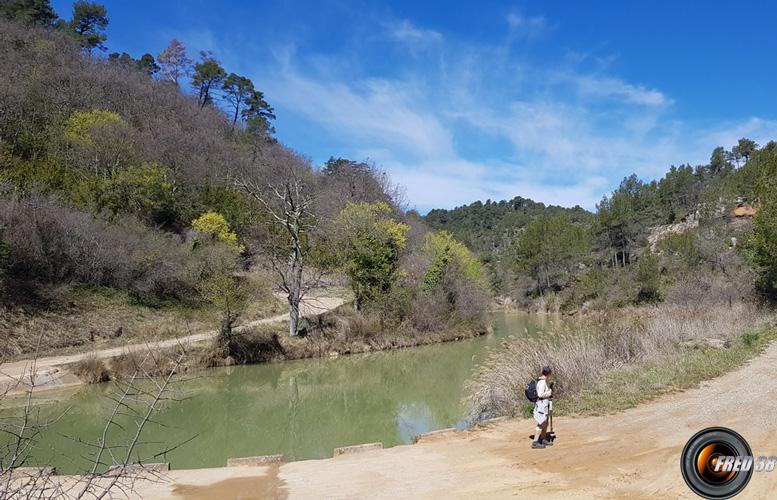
(634, 455)
(50, 374)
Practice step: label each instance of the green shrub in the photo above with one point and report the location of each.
(591, 284)
(682, 246)
(43, 175)
(371, 241)
(761, 244)
(145, 191)
(648, 278)
(234, 206)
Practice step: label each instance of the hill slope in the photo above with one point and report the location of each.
(489, 229)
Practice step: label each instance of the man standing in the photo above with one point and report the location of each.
(542, 409)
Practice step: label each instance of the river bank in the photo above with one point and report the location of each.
(300, 408)
(635, 458)
(57, 372)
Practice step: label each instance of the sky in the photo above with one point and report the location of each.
(461, 101)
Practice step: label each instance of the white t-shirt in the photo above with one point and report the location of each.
(543, 393)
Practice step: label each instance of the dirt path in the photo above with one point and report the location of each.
(51, 375)
(634, 455)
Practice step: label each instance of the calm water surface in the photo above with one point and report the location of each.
(302, 409)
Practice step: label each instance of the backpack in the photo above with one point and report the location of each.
(531, 391)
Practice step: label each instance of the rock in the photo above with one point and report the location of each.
(504, 300)
(659, 232)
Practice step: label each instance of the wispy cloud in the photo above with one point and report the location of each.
(407, 32)
(609, 87)
(528, 26)
(367, 112)
(476, 122)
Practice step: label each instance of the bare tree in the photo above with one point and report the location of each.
(22, 433)
(116, 467)
(289, 203)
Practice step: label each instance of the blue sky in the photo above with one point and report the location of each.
(459, 101)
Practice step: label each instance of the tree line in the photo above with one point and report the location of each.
(607, 257)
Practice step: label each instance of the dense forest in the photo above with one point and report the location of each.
(160, 177)
(678, 238)
(490, 229)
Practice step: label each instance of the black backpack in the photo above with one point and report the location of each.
(531, 391)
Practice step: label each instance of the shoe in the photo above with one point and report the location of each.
(547, 442)
(536, 445)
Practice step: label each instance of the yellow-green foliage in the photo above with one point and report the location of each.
(42, 175)
(446, 250)
(377, 216)
(144, 190)
(214, 223)
(82, 125)
(371, 241)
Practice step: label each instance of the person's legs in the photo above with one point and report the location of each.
(539, 431)
(544, 438)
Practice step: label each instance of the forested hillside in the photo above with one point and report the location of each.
(490, 229)
(159, 178)
(674, 238)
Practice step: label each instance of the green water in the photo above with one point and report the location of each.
(302, 409)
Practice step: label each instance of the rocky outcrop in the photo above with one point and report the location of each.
(659, 232)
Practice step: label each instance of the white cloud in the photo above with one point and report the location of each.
(378, 112)
(608, 87)
(407, 32)
(529, 26)
(727, 135)
(445, 184)
(480, 124)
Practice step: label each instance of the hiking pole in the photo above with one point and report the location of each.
(550, 415)
(551, 434)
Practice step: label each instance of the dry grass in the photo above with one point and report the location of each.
(92, 371)
(340, 333)
(583, 351)
(682, 369)
(77, 319)
(347, 331)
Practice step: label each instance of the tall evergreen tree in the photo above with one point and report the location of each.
(237, 90)
(258, 114)
(90, 19)
(147, 64)
(207, 74)
(29, 11)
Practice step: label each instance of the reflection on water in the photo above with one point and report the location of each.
(302, 409)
